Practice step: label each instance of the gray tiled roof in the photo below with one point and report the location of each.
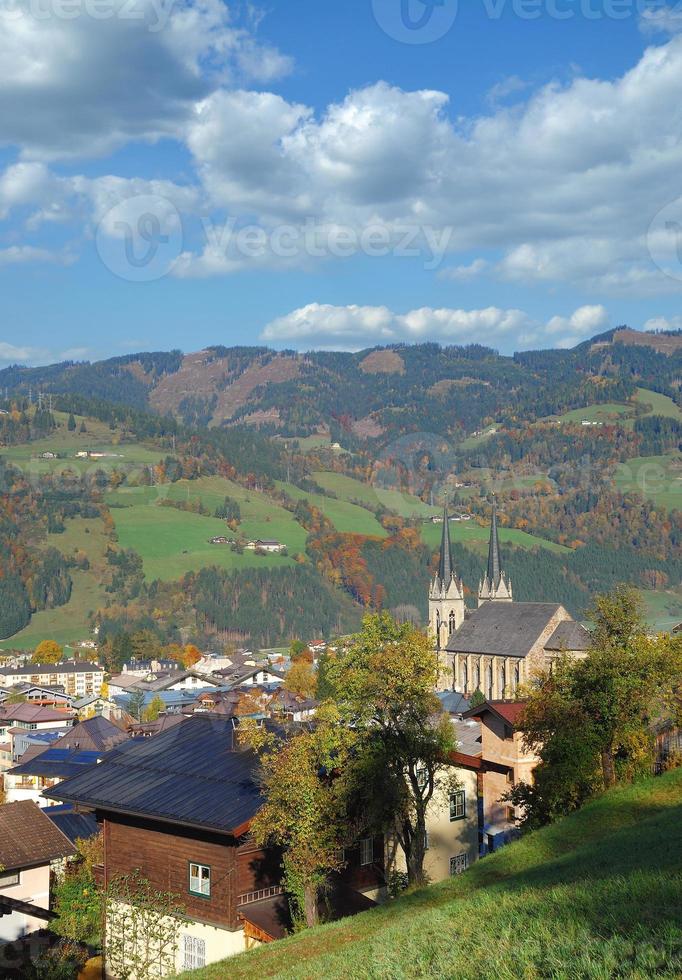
(569, 636)
(504, 629)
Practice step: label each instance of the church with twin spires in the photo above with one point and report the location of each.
(496, 647)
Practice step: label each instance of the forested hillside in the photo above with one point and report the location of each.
(134, 504)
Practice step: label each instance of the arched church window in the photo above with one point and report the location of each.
(452, 621)
(477, 675)
(489, 684)
(502, 679)
(465, 676)
(517, 676)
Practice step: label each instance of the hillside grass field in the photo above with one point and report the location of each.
(355, 491)
(597, 895)
(68, 624)
(472, 534)
(346, 517)
(622, 413)
(657, 477)
(98, 438)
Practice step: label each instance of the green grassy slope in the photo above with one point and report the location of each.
(656, 477)
(471, 533)
(597, 895)
(69, 623)
(346, 517)
(348, 488)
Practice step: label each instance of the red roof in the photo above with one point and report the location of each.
(509, 711)
(31, 713)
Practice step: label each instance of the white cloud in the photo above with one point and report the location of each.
(11, 354)
(663, 323)
(353, 327)
(564, 185)
(461, 273)
(661, 20)
(64, 92)
(559, 188)
(22, 254)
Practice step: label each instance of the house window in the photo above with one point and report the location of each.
(194, 952)
(10, 878)
(422, 778)
(366, 851)
(458, 805)
(458, 864)
(200, 880)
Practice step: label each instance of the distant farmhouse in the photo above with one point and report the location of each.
(268, 545)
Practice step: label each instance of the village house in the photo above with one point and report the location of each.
(42, 767)
(178, 808)
(30, 846)
(452, 817)
(75, 677)
(269, 545)
(505, 762)
(157, 681)
(48, 697)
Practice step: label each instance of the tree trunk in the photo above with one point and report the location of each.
(414, 853)
(608, 768)
(310, 900)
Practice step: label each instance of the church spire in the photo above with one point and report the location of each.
(496, 585)
(494, 563)
(445, 564)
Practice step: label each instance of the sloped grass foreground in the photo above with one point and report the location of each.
(597, 895)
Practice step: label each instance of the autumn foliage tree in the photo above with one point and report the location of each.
(591, 722)
(306, 808)
(384, 684)
(48, 652)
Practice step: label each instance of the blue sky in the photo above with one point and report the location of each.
(322, 174)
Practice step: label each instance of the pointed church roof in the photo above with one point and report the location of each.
(494, 572)
(445, 563)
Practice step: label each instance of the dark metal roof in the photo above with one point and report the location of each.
(503, 629)
(193, 774)
(453, 702)
(57, 763)
(569, 635)
(73, 825)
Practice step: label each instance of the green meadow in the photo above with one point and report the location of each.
(346, 517)
(472, 534)
(68, 624)
(656, 477)
(596, 895)
(355, 491)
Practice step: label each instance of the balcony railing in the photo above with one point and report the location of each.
(249, 897)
